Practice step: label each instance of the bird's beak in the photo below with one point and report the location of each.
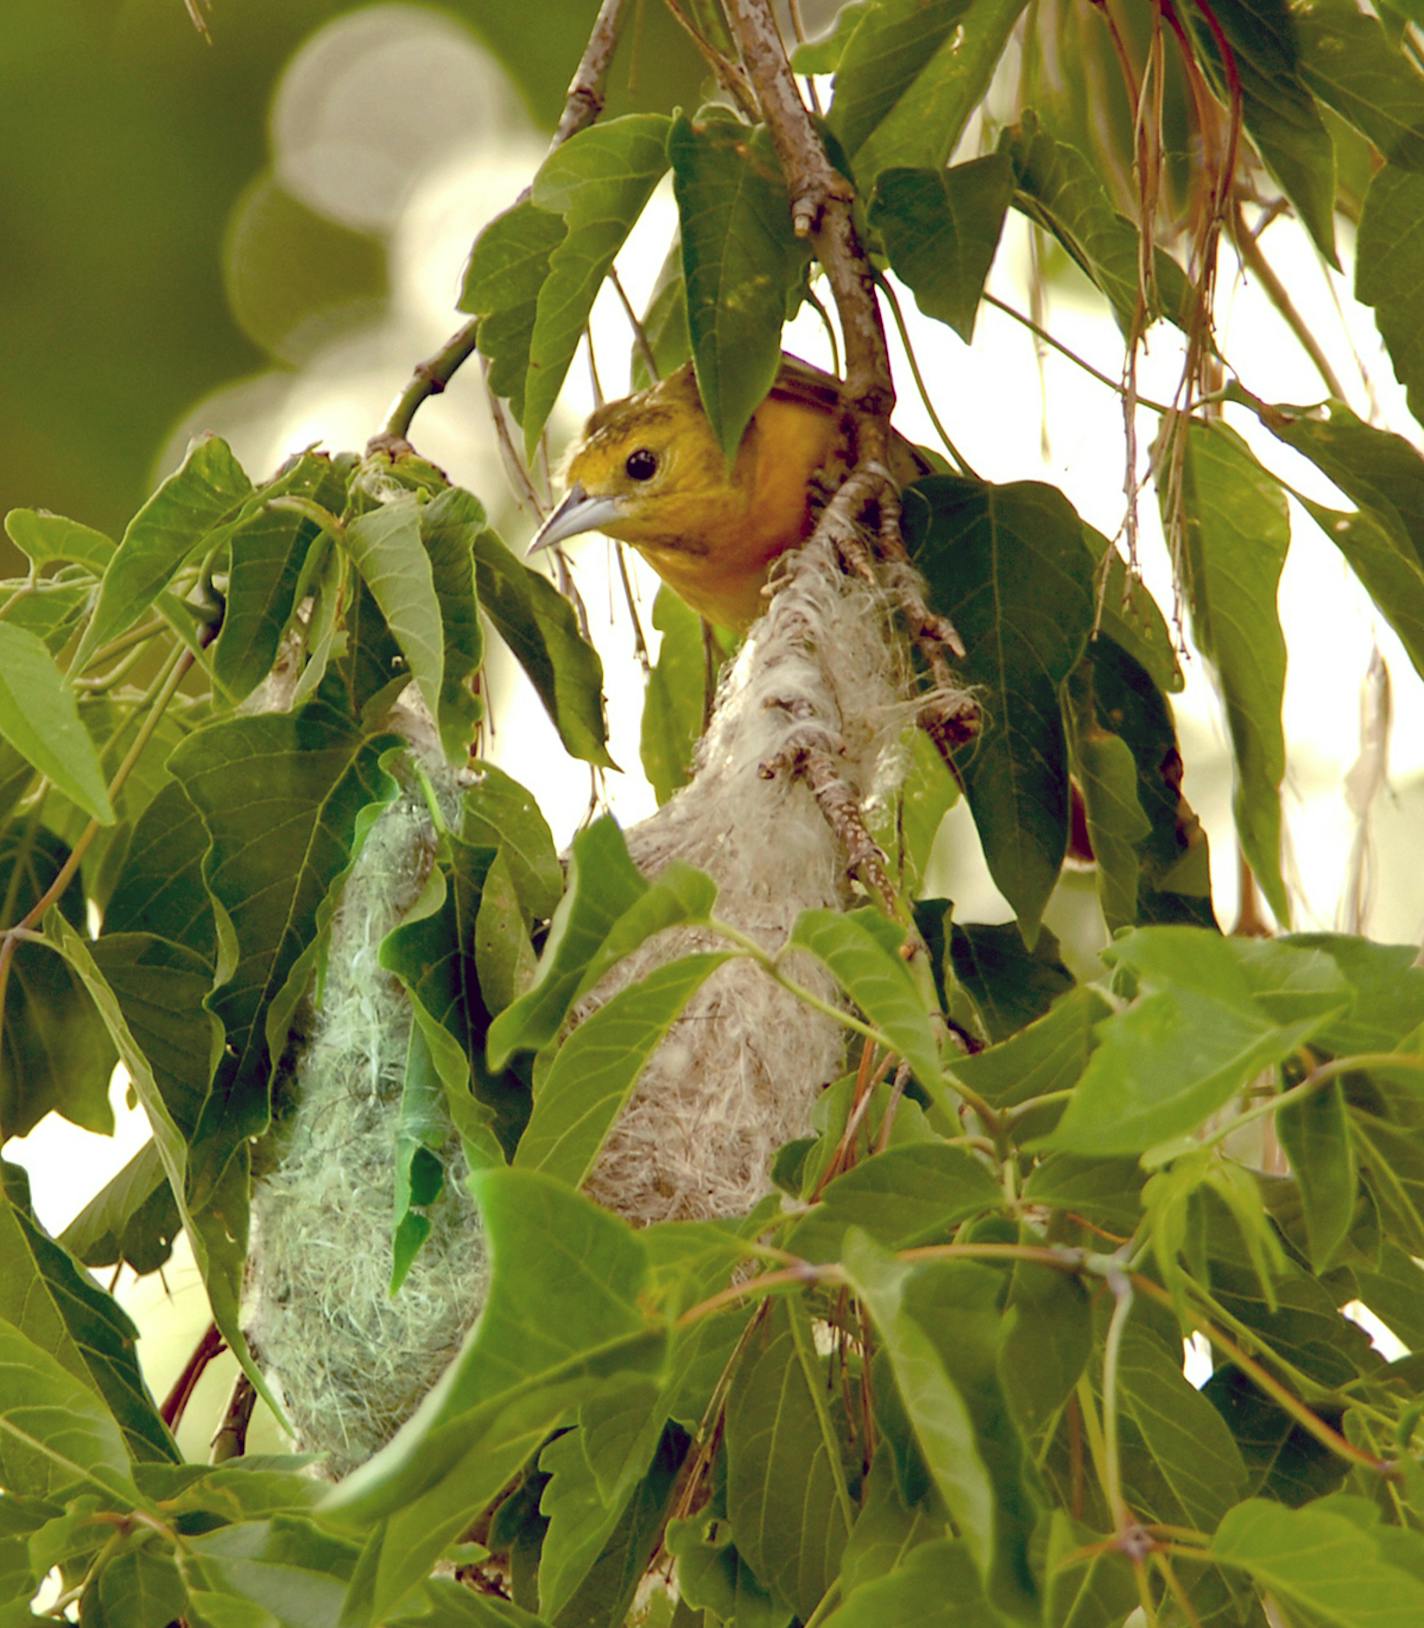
(578, 512)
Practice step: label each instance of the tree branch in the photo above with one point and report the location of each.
(582, 105)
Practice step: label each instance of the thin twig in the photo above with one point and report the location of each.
(641, 342)
(209, 1347)
(1254, 259)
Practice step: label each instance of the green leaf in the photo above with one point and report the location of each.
(385, 545)
(1322, 1562)
(1173, 881)
(45, 538)
(132, 1218)
(941, 228)
(904, 1196)
(499, 813)
(184, 510)
(940, 1420)
(138, 1588)
(595, 1071)
(1047, 1055)
(284, 1566)
(1283, 1461)
(1060, 190)
(1237, 534)
(267, 552)
(713, 1577)
(1388, 263)
(449, 525)
(561, 1316)
(780, 1435)
(1117, 827)
(272, 862)
(861, 950)
(1192, 1038)
(617, 1435)
(161, 987)
(1315, 1135)
(40, 718)
(1009, 985)
(598, 181)
(54, 1429)
(1007, 564)
(741, 261)
(508, 266)
(936, 1585)
(1044, 1344)
(1194, 1471)
(1128, 616)
(1105, 1191)
(905, 826)
(1084, 1593)
(607, 913)
(538, 625)
(1278, 111)
(46, 1296)
(160, 887)
(54, 1053)
(432, 952)
(1347, 61)
(909, 77)
(676, 697)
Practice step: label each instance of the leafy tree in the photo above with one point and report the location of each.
(937, 1374)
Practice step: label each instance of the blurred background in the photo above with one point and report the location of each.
(260, 233)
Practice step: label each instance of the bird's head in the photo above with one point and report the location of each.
(646, 470)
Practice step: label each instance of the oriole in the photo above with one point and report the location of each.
(648, 471)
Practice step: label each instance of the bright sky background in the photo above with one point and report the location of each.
(341, 140)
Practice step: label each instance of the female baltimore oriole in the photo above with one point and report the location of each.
(648, 471)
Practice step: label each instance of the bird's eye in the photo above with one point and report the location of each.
(642, 464)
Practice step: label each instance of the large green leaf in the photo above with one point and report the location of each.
(267, 552)
(1008, 565)
(208, 488)
(936, 1586)
(1059, 189)
(170, 1052)
(941, 228)
(385, 544)
(1046, 1055)
(562, 1314)
(1237, 534)
(861, 948)
(1389, 263)
(1323, 1561)
(942, 1425)
(273, 858)
(1315, 1135)
(1195, 1034)
(132, 1218)
(1118, 829)
(54, 1429)
(47, 1296)
(160, 887)
(507, 267)
(1278, 111)
(596, 1069)
(906, 1195)
(449, 525)
(45, 538)
(1351, 66)
(538, 625)
(53, 1050)
(780, 1435)
(909, 76)
(598, 181)
(40, 718)
(499, 813)
(741, 261)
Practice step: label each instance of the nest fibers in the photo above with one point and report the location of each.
(737, 1075)
(350, 1359)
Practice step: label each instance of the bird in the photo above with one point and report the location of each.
(648, 470)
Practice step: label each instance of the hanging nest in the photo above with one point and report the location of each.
(824, 675)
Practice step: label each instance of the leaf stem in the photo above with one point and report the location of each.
(1121, 1286)
(1042, 333)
